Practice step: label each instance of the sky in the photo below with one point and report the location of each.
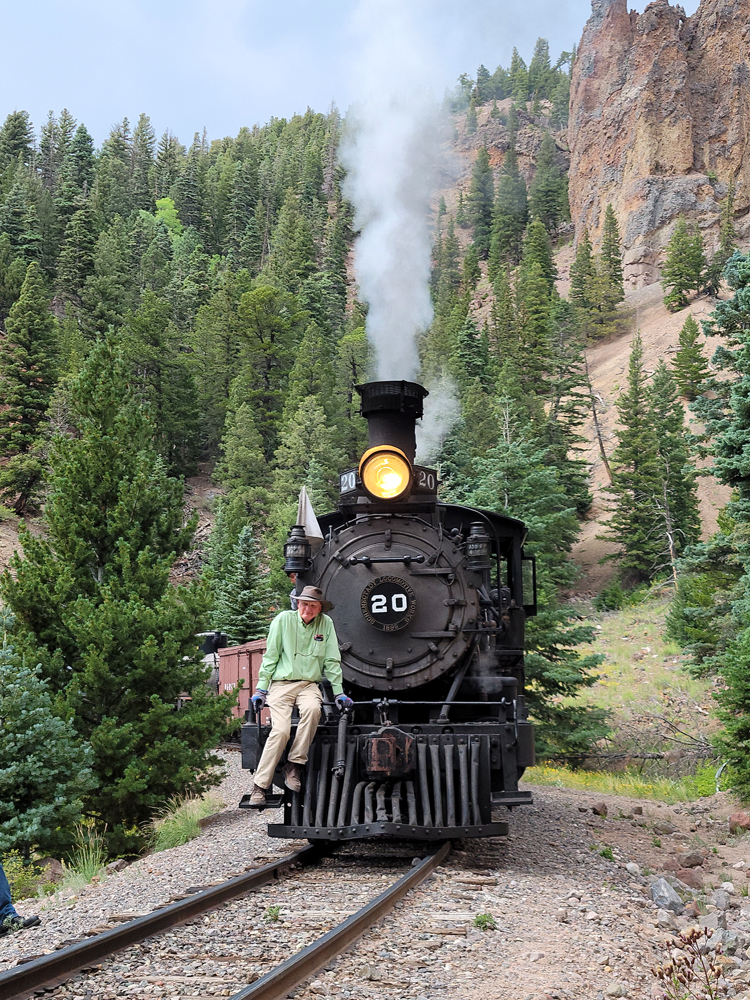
(222, 64)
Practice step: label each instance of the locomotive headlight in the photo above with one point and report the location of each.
(386, 473)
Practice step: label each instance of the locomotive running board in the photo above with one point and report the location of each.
(397, 830)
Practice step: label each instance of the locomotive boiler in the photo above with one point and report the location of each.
(429, 601)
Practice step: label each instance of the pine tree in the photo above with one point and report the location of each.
(724, 406)
(540, 70)
(44, 767)
(635, 468)
(470, 272)
(169, 154)
(27, 378)
(13, 215)
(215, 351)
(568, 406)
(109, 292)
(533, 303)
(469, 361)
(727, 244)
(12, 273)
(268, 323)
(243, 463)
(697, 259)
(112, 194)
(519, 80)
(547, 192)
(611, 255)
(678, 273)
(481, 198)
(734, 712)
(690, 365)
(461, 218)
(510, 214)
(293, 256)
(312, 373)
(504, 339)
(81, 153)
(354, 359)
(308, 455)
(471, 117)
(582, 272)
(188, 190)
(243, 598)
(163, 381)
(76, 261)
(484, 85)
(16, 139)
(116, 639)
(537, 249)
(725, 411)
(142, 150)
(675, 500)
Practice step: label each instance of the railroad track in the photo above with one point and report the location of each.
(46, 973)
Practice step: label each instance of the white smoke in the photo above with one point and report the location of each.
(391, 154)
(441, 411)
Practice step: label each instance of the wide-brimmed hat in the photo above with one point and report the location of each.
(314, 594)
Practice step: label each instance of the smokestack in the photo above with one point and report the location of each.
(391, 410)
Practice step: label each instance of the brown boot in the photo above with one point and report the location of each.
(258, 796)
(292, 777)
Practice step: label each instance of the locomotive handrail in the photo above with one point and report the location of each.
(367, 561)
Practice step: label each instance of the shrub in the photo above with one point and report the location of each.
(44, 768)
(24, 877)
(485, 922)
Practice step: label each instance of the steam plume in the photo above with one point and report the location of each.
(441, 411)
(391, 154)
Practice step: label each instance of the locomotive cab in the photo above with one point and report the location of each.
(430, 601)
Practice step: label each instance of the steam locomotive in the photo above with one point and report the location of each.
(430, 601)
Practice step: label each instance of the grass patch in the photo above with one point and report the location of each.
(485, 922)
(643, 670)
(622, 783)
(179, 821)
(87, 859)
(272, 914)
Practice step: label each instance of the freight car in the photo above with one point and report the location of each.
(430, 601)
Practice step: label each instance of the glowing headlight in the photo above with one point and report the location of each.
(385, 473)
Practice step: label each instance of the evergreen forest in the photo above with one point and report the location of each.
(170, 310)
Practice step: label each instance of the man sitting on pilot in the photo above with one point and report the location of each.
(302, 649)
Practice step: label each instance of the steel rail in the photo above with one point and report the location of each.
(21, 981)
(295, 970)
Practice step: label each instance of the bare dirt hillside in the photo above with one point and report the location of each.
(608, 364)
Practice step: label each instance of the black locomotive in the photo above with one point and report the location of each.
(430, 603)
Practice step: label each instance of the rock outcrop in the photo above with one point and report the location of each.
(660, 123)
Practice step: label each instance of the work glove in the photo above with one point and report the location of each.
(259, 699)
(343, 702)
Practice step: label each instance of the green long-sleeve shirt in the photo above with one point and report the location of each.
(299, 652)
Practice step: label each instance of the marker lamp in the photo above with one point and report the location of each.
(386, 473)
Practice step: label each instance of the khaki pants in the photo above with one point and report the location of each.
(282, 697)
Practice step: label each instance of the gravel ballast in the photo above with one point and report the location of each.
(569, 922)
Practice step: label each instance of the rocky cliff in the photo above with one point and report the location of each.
(660, 123)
